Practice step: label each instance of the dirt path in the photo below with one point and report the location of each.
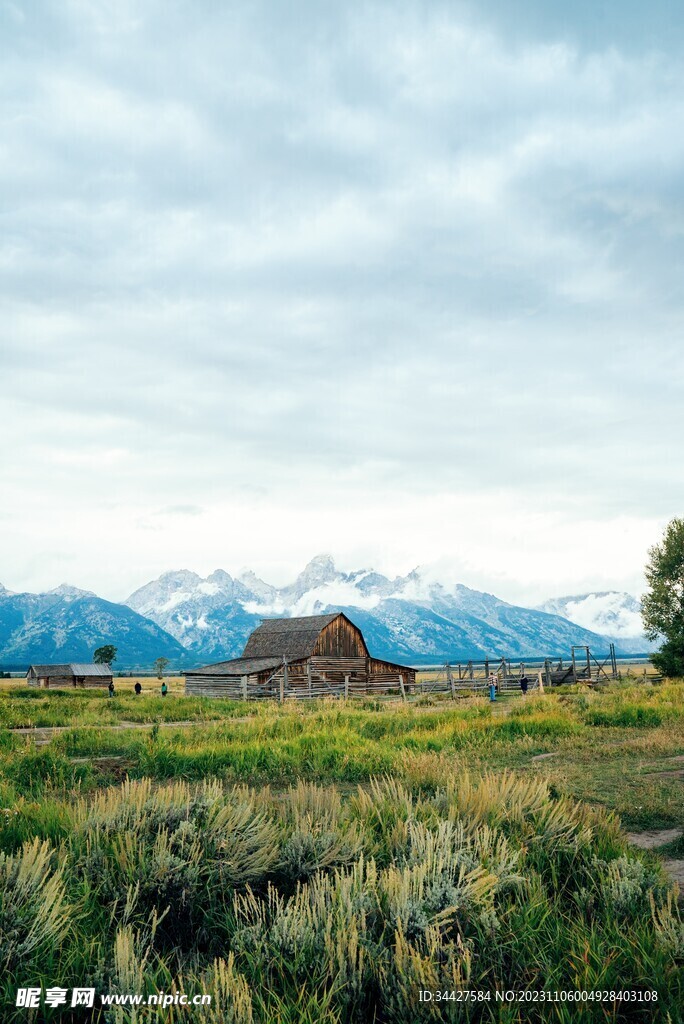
(651, 839)
(44, 733)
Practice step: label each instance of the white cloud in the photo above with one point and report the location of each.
(392, 281)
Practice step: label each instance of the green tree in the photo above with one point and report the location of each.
(105, 655)
(160, 664)
(662, 607)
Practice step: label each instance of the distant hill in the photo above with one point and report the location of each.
(67, 624)
(408, 617)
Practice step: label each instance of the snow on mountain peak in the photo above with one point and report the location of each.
(69, 592)
(250, 581)
(320, 569)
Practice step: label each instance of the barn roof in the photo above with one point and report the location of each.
(69, 671)
(290, 638)
(237, 667)
(52, 670)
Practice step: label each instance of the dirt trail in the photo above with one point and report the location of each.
(44, 733)
(651, 839)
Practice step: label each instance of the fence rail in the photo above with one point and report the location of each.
(451, 679)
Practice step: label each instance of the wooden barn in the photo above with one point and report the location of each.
(62, 676)
(314, 656)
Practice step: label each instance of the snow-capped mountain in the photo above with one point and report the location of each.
(410, 616)
(67, 624)
(611, 612)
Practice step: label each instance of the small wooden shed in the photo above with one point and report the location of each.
(310, 656)
(74, 674)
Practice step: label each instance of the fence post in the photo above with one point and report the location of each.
(244, 687)
(450, 680)
(547, 671)
(308, 676)
(402, 687)
(346, 687)
(283, 681)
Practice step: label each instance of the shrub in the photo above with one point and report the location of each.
(34, 913)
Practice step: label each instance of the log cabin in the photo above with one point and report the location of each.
(311, 656)
(62, 676)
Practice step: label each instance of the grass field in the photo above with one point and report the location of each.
(324, 862)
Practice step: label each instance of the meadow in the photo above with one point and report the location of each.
(324, 862)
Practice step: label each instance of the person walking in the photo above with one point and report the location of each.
(164, 689)
(492, 687)
(138, 688)
(111, 688)
(523, 684)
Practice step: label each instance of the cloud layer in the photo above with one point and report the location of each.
(366, 277)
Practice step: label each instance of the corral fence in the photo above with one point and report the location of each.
(582, 666)
(452, 679)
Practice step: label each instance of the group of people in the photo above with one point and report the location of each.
(494, 685)
(138, 688)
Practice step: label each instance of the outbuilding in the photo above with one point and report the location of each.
(74, 674)
(310, 656)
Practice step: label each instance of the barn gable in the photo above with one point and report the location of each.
(303, 637)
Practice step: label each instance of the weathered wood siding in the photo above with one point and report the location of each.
(341, 639)
(56, 682)
(224, 686)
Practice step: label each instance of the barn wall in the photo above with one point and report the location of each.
(341, 639)
(338, 668)
(57, 682)
(258, 685)
(377, 667)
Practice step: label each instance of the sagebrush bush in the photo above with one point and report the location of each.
(34, 912)
(315, 902)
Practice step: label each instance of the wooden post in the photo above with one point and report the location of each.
(486, 668)
(450, 680)
(541, 684)
(613, 660)
(283, 681)
(402, 687)
(346, 687)
(460, 677)
(308, 676)
(574, 667)
(547, 672)
(472, 673)
(244, 687)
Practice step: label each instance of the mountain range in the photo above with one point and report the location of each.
(410, 617)
(193, 620)
(67, 624)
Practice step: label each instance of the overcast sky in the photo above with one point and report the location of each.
(402, 282)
